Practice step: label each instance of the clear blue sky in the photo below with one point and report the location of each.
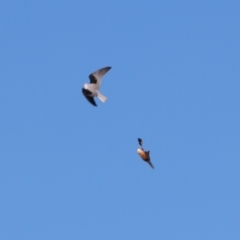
(69, 170)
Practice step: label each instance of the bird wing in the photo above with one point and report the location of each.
(86, 93)
(148, 154)
(140, 142)
(96, 77)
(91, 100)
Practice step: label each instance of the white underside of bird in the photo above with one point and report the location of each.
(91, 90)
(95, 91)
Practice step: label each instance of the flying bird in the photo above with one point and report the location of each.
(145, 155)
(91, 90)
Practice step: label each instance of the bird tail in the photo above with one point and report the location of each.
(102, 97)
(151, 165)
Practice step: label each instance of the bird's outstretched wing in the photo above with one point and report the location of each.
(140, 142)
(89, 98)
(96, 77)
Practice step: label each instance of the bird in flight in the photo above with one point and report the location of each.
(91, 90)
(145, 155)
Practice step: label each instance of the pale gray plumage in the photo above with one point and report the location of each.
(91, 90)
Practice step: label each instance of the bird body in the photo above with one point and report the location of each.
(145, 155)
(91, 90)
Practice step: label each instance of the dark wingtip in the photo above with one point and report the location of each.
(94, 104)
(140, 141)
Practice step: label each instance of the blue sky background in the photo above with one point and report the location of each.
(69, 170)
